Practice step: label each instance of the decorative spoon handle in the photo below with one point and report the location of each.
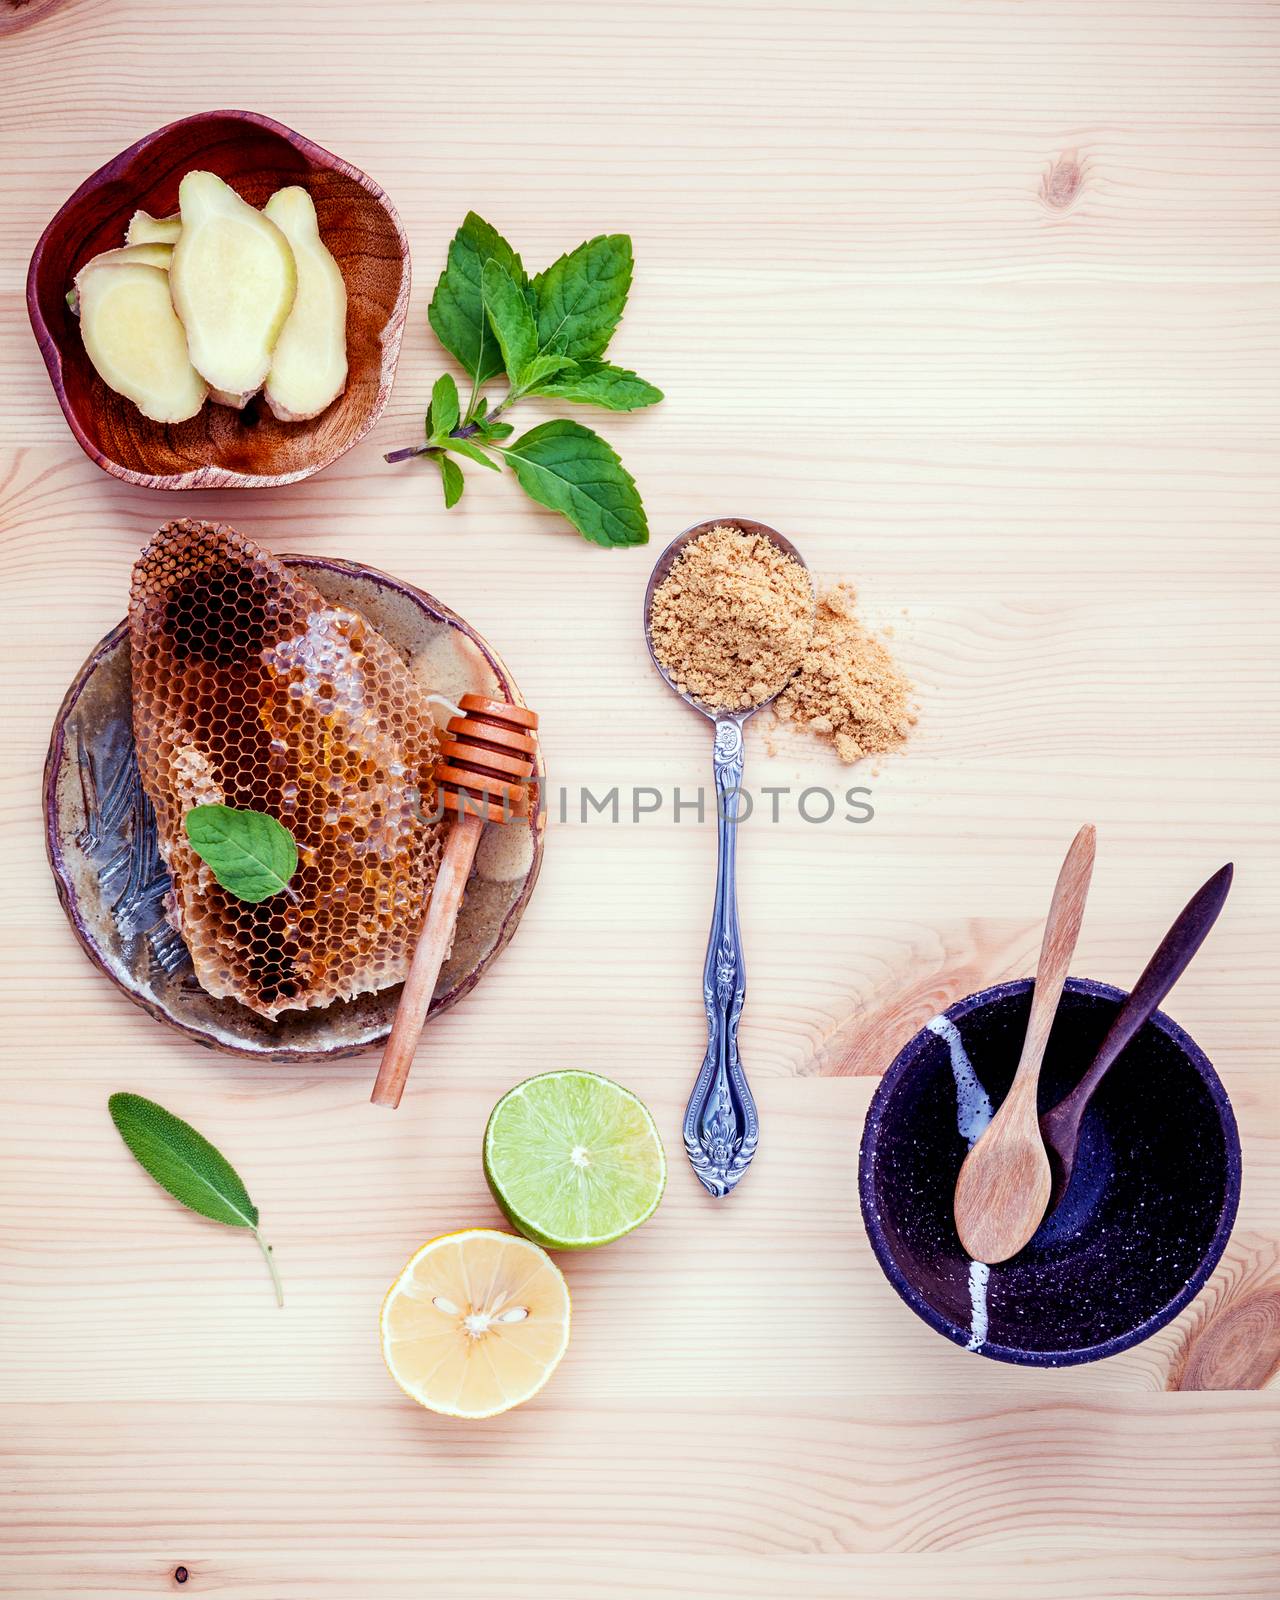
(1171, 960)
(721, 1128)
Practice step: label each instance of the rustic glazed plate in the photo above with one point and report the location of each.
(100, 836)
(221, 448)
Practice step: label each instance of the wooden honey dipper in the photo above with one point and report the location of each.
(483, 774)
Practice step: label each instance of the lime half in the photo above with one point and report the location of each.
(574, 1160)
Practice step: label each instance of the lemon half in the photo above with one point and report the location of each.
(476, 1323)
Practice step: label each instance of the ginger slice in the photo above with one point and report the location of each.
(135, 340)
(145, 255)
(309, 364)
(234, 281)
(146, 229)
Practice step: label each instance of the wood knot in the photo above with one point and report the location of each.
(1061, 183)
(180, 1574)
(16, 14)
(1234, 1341)
(1239, 1348)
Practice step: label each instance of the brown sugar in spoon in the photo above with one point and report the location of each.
(483, 774)
(1003, 1188)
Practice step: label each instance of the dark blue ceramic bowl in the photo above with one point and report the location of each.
(1151, 1203)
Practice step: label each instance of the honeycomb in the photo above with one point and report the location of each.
(251, 689)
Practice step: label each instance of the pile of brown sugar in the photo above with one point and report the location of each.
(848, 690)
(732, 619)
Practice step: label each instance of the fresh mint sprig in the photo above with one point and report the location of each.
(548, 335)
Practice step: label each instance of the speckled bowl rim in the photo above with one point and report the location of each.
(905, 1062)
(65, 883)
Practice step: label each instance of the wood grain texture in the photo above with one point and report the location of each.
(977, 303)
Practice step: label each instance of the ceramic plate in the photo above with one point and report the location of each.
(102, 847)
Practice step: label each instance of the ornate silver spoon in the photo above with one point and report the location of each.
(721, 1128)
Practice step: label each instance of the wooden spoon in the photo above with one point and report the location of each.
(1060, 1127)
(1004, 1184)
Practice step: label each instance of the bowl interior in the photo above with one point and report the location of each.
(221, 447)
(112, 882)
(1151, 1200)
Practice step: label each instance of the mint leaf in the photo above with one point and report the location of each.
(600, 383)
(252, 855)
(442, 417)
(451, 477)
(581, 296)
(456, 312)
(549, 335)
(509, 316)
(573, 471)
(188, 1166)
(536, 372)
(473, 452)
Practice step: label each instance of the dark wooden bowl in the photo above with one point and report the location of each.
(100, 838)
(222, 448)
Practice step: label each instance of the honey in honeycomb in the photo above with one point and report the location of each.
(252, 690)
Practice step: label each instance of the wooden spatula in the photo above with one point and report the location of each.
(1003, 1187)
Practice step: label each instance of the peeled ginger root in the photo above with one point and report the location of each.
(233, 281)
(309, 363)
(256, 295)
(134, 338)
(146, 229)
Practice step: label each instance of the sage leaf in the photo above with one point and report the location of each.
(600, 383)
(456, 312)
(453, 480)
(573, 471)
(193, 1171)
(580, 298)
(183, 1161)
(250, 854)
(509, 316)
(442, 418)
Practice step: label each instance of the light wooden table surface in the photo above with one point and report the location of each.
(978, 302)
